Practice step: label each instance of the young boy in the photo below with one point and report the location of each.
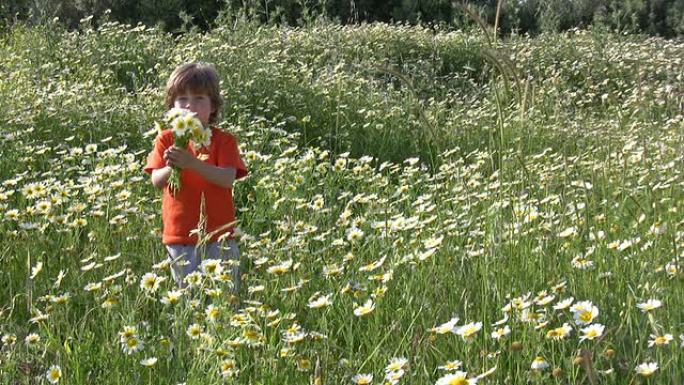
(208, 172)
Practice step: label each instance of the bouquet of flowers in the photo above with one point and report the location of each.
(187, 129)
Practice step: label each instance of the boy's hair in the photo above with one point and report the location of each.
(195, 77)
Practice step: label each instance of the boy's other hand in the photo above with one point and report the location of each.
(179, 157)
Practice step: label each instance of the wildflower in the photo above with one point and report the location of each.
(501, 332)
(150, 282)
(580, 262)
(362, 379)
(451, 365)
(445, 327)
(9, 339)
(321, 301)
(332, 270)
(545, 300)
(354, 234)
(647, 369)
(60, 299)
(171, 297)
(32, 339)
(457, 378)
(303, 364)
(570, 231)
(12, 214)
(395, 364)
(592, 331)
(364, 309)
(194, 331)
(212, 267)
(35, 270)
(280, 268)
(584, 312)
(468, 331)
(293, 337)
(660, 340)
(128, 332)
(539, 363)
(229, 368)
(132, 345)
(148, 362)
(517, 303)
(559, 333)
(650, 305)
(54, 374)
(671, 269)
(564, 304)
(193, 279)
(212, 313)
(373, 265)
(393, 377)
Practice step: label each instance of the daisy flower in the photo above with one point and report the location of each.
(364, 309)
(650, 305)
(660, 340)
(456, 378)
(212, 312)
(148, 362)
(445, 327)
(212, 267)
(32, 339)
(194, 331)
(54, 374)
(362, 379)
(171, 297)
(539, 363)
(128, 332)
(501, 332)
(395, 364)
(592, 331)
(468, 331)
(150, 282)
(132, 345)
(647, 369)
(584, 312)
(229, 368)
(559, 333)
(321, 301)
(394, 376)
(451, 365)
(564, 304)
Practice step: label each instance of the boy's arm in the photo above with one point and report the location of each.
(220, 176)
(160, 176)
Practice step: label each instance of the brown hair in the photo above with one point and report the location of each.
(195, 77)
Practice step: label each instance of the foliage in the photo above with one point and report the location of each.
(653, 17)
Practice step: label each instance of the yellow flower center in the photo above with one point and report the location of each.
(586, 316)
(458, 381)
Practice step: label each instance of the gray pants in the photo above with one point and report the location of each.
(188, 258)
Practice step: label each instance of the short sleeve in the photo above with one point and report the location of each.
(155, 159)
(229, 156)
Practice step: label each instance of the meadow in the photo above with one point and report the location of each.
(424, 206)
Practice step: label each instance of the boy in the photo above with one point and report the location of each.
(208, 172)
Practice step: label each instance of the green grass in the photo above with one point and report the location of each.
(479, 175)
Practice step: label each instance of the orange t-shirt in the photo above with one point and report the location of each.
(181, 214)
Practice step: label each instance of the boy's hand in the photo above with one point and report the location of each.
(179, 157)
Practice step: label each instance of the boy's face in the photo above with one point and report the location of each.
(197, 102)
